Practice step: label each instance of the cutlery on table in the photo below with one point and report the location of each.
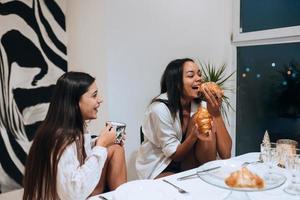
(201, 171)
(250, 163)
(180, 190)
(102, 197)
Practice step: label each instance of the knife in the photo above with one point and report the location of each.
(201, 171)
(102, 197)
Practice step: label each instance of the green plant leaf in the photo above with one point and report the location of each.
(210, 73)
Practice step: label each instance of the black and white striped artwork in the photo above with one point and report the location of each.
(32, 56)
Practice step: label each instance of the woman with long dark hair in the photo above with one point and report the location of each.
(172, 142)
(63, 162)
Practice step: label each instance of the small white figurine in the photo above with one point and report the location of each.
(266, 139)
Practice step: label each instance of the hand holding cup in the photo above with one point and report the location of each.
(119, 128)
(107, 136)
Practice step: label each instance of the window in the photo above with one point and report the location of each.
(268, 71)
(259, 15)
(268, 78)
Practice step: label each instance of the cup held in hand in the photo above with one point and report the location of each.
(119, 128)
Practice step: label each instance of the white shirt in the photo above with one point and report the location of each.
(162, 136)
(75, 181)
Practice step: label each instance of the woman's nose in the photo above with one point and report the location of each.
(100, 100)
(199, 78)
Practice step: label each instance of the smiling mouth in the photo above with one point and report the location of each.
(195, 87)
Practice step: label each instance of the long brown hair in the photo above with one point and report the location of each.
(62, 126)
(172, 83)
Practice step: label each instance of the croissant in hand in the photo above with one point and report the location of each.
(213, 88)
(203, 119)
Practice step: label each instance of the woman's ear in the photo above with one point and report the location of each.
(80, 105)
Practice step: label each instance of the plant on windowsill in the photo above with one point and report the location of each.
(211, 73)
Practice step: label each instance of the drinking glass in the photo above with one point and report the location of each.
(285, 146)
(269, 155)
(292, 164)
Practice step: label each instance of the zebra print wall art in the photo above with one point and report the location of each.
(32, 56)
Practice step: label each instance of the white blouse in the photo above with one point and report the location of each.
(75, 181)
(162, 136)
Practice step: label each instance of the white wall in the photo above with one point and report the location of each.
(86, 52)
(127, 44)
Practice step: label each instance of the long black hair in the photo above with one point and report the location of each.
(62, 126)
(172, 83)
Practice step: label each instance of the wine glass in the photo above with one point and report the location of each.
(269, 155)
(292, 164)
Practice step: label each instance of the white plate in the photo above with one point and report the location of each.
(217, 177)
(144, 190)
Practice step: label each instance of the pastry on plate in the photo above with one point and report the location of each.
(244, 178)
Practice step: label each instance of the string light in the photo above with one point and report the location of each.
(273, 64)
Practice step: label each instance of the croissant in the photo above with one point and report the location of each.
(213, 87)
(244, 178)
(203, 120)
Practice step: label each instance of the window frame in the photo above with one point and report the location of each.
(255, 38)
(270, 36)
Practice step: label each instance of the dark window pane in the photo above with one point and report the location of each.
(268, 94)
(268, 14)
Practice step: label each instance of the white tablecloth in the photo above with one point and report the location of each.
(198, 189)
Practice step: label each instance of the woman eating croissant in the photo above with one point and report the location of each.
(180, 131)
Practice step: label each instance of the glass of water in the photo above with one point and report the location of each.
(292, 164)
(269, 155)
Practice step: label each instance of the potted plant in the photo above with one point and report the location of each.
(211, 73)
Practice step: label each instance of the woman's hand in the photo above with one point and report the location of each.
(213, 102)
(205, 136)
(192, 127)
(107, 136)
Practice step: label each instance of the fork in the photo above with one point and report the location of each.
(252, 162)
(180, 190)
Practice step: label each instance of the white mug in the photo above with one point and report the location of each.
(119, 128)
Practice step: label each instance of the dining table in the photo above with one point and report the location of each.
(199, 186)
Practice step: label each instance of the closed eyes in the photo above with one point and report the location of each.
(95, 94)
